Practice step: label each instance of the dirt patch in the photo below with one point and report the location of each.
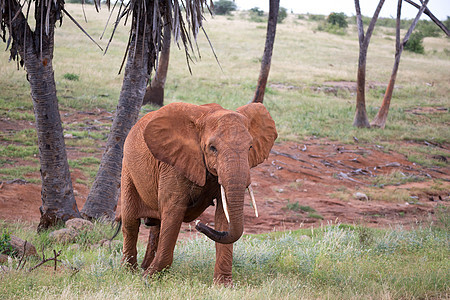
(300, 185)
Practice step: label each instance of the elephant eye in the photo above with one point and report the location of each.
(213, 149)
(250, 148)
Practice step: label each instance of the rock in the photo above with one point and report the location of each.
(65, 235)
(3, 258)
(79, 224)
(74, 247)
(304, 238)
(108, 243)
(18, 247)
(68, 136)
(361, 196)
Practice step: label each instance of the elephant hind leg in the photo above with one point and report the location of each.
(153, 239)
(130, 223)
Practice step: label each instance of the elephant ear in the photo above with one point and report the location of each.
(262, 129)
(172, 137)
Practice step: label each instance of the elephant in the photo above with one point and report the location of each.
(177, 160)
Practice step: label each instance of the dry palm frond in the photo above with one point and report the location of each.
(148, 19)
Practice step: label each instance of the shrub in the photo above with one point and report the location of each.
(5, 246)
(71, 76)
(224, 7)
(257, 15)
(428, 29)
(337, 19)
(257, 11)
(312, 17)
(415, 43)
(335, 23)
(282, 14)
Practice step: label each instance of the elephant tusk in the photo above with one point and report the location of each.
(224, 203)
(252, 196)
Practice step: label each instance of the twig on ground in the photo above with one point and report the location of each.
(44, 260)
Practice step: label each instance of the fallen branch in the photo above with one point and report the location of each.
(45, 260)
(290, 156)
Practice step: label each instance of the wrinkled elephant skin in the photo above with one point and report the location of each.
(175, 161)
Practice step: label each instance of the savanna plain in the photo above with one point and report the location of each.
(314, 239)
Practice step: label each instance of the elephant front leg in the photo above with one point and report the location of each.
(153, 239)
(224, 252)
(170, 227)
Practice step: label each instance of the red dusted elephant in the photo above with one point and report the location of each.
(176, 161)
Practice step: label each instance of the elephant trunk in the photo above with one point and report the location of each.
(234, 187)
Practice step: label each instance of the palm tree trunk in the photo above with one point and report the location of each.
(267, 56)
(381, 117)
(36, 50)
(155, 92)
(102, 199)
(361, 119)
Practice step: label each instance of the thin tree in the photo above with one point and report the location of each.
(155, 91)
(33, 49)
(361, 119)
(381, 117)
(145, 40)
(274, 6)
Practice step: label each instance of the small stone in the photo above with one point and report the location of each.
(65, 235)
(74, 247)
(68, 136)
(304, 238)
(3, 258)
(361, 196)
(79, 224)
(18, 246)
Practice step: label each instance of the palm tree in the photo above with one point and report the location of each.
(148, 19)
(34, 50)
(274, 6)
(155, 91)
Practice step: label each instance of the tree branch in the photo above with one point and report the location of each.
(44, 260)
(432, 17)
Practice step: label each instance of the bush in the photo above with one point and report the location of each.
(447, 22)
(257, 11)
(337, 19)
(257, 15)
(312, 17)
(415, 43)
(428, 28)
(282, 14)
(5, 246)
(71, 76)
(224, 7)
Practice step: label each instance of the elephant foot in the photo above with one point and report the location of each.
(223, 280)
(130, 262)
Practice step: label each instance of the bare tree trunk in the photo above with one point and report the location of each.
(155, 92)
(267, 56)
(361, 119)
(102, 199)
(36, 50)
(381, 117)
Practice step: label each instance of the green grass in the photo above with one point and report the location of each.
(344, 261)
(395, 178)
(301, 59)
(20, 172)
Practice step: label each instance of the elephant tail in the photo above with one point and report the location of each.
(117, 220)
